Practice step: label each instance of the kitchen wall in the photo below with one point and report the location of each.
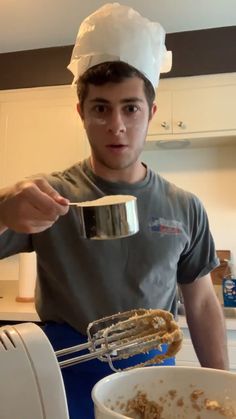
(210, 173)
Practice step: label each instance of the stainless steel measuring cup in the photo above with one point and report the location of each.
(109, 217)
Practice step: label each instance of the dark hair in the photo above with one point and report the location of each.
(112, 72)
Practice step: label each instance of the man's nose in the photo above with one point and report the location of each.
(116, 124)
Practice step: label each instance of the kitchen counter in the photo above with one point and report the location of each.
(10, 309)
(229, 314)
(230, 320)
(187, 356)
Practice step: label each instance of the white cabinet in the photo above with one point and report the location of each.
(187, 357)
(162, 120)
(205, 109)
(193, 108)
(231, 336)
(40, 132)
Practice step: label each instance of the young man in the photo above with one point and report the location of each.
(80, 280)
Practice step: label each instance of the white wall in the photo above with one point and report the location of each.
(55, 27)
(210, 173)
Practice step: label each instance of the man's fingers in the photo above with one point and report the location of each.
(45, 187)
(62, 201)
(44, 198)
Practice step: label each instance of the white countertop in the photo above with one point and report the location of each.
(11, 310)
(230, 322)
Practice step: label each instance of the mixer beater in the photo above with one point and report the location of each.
(126, 334)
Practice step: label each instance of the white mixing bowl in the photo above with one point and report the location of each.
(171, 388)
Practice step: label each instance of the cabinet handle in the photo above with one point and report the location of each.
(165, 125)
(180, 124)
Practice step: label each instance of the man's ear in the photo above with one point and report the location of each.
(80, 111)
(153, 110)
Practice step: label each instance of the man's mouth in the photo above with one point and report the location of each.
(116, 145)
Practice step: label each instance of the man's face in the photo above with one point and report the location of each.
(116, 117)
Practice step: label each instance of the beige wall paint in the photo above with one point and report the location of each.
(210, 173)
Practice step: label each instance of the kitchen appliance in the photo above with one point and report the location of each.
(31, 384)
(182, 392)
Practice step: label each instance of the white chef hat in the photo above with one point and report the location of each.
(118, 33)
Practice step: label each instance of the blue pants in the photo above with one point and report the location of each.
(80, 379)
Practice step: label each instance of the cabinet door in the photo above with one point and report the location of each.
(232, 352)
(161, 122)
(208, 109)
(40, 132)
(187, 356)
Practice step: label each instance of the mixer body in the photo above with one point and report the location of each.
(31, 384)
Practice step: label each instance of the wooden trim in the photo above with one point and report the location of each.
(208, 51)
(34, 68)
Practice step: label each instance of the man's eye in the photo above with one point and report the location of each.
(100, 108)
(131, 108)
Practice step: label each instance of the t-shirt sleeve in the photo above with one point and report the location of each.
(12, 243)
(199, 256)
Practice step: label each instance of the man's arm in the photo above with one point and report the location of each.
(206, 323)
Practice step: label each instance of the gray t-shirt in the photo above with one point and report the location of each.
(81, 280)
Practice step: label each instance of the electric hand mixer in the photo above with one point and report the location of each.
(31, 384)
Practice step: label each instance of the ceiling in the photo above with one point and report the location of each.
(32, 24)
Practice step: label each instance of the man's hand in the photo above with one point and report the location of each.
(31, 206)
